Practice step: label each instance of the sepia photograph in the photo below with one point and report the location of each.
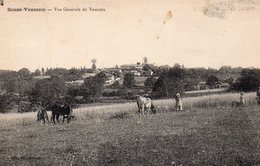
(130, 83)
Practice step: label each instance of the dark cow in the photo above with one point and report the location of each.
(145, 105)
(61, 110)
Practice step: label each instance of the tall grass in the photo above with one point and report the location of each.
(116, 110)
(12, 119)
(217, 100)
(210, 101)
(104, 110)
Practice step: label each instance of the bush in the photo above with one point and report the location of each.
(8, 101)
(169, 83)
(129, 80)
(249, 80)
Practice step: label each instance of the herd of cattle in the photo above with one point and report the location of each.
(144, 104)
(57, 110)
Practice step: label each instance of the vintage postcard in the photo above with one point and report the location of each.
(130, 82)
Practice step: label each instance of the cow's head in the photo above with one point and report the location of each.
(154, 109)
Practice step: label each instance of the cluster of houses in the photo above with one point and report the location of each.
(203, 85)
(136, 69)
(114, 74)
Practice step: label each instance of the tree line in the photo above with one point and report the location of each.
(18, 88)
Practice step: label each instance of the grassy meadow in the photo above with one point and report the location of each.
(207, 132)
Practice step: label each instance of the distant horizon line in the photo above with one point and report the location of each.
(171, 66)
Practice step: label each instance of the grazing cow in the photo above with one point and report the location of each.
(145, 105)
(178, 100)
(61, 110)
(42, 115)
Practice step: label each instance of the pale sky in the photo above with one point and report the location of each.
(196, 33)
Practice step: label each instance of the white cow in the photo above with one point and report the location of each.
(145, 105)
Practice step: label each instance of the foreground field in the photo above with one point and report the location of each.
(205, 135)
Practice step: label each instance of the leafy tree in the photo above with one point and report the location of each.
(159, 70)
(129, 80)
(177, 65)
(25, 87)
(18, 82)
(74, 71)
(43, 71)
(149, 83)
(93, 87)
(24, 73)
(48, 91)
(159, 88)
(211, 81)
(147, 67)
(75, 91)
(11, 85)
(57, 72)
(249, 80)
(225, 69)
(7, 101)
(229, 80)
(37, 72)
(169, 83)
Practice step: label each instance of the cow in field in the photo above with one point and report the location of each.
(145, 105)
(64, 110)
(42, 114)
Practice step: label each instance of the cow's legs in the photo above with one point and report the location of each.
(47, 117)
(177, 108)
(53, 118)
(43, 120)
(57, 118)
(141, 112)
(139, 109)
(68, 118)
